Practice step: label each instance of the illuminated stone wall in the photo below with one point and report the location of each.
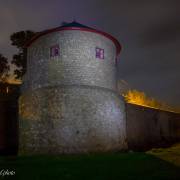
(77, 63)
(69, 103)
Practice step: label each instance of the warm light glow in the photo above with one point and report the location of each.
(7, 89)
(140, 98)
(13, 81)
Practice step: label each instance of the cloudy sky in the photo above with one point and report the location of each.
(149, 31)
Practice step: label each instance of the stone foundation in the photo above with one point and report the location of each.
(71, 119)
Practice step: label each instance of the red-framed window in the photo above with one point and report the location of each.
(54, 50)
(99, 53)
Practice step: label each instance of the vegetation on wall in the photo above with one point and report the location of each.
(137, 97)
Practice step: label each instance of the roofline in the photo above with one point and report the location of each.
(114, 40)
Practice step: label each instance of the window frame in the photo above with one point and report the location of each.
(53, 50)
(100, 54)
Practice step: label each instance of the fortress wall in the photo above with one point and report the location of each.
(147, 127)
(8, 126)
(71, 120)
(69, 103)
(9, 119)
(76, 64)
(2, 128)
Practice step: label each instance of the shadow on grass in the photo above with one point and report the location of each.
(90, 167)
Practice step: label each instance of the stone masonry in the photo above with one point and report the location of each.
(69, 102)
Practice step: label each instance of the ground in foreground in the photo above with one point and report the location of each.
(170, 154)
(90, 167)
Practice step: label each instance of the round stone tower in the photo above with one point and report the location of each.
(69, 101)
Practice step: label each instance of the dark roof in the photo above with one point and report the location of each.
(75, 26)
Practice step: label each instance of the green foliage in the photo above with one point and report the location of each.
(140, 98)
(4, 68)
(19, 39)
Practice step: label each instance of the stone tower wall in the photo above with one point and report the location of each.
(69, 103)
(77, 63)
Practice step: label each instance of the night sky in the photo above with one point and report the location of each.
(149, 31)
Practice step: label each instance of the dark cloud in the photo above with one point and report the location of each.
(149, 31)
(164, 32)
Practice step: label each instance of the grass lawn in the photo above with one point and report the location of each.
(90, 167)
(171, 154)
